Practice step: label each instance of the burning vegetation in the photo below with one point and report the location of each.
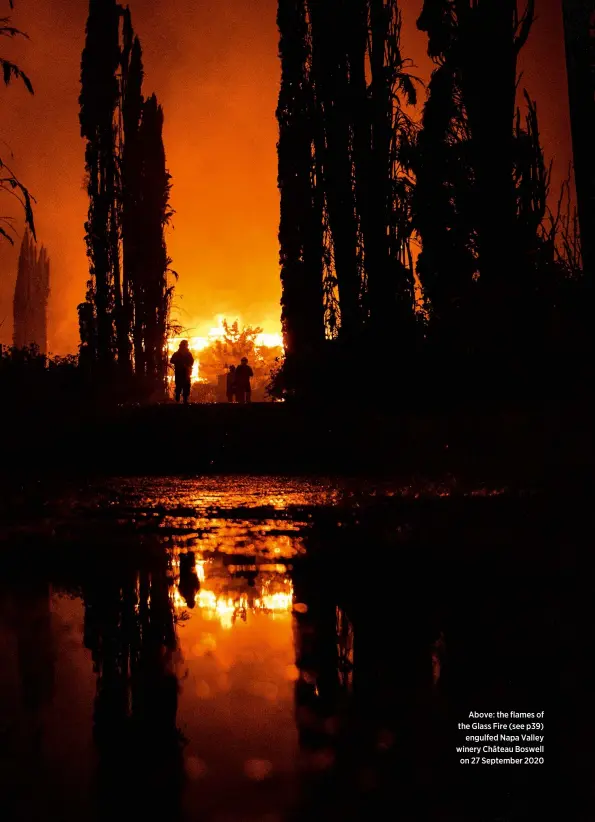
(225, 344)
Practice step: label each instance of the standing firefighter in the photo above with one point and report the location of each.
(182, 362)
(243, 376)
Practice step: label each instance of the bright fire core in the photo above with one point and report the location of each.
(198, 344)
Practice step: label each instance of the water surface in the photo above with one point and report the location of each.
(271, 649)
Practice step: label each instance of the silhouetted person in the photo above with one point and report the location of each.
(189, 584)
(243, 375)
(182, 362)
(231, 383)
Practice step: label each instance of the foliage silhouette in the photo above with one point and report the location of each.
(470, 183)
(31, 295)
(9, 183)
(489, 264)
(129, 629)
(345, 131)
(98, 102)
(125, 318)
(301, 237)
(237, 343)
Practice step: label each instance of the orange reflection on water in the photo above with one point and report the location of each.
(226, 596)
(237, 672)
(275, 539)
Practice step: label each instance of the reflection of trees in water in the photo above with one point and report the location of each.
(129, 629)
(319, 686)
(365, 696)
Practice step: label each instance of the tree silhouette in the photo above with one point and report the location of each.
(482, 182)
(442, 207)
(344, 146)
(129, 629)
(381, 131)
(154, 213)
(128, 298)
(31, 294)
(9, 184)
(301, 226)
(331, 83)
(132, 238)
(98, 102)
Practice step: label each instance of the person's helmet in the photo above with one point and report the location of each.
(244, 359)
(232, 368)
(184, 344)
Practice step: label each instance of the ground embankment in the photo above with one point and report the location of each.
(548, 444)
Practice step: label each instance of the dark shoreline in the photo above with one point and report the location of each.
(548, 445)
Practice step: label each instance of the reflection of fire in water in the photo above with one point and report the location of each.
(256, 588)
(198, 344)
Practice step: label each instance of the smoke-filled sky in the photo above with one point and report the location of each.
(214, 67)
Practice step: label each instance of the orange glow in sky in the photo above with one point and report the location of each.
(215, 70)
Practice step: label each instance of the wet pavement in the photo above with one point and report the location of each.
(270, 649)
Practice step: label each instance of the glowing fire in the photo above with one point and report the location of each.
(198, 344)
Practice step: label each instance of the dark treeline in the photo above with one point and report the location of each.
(345, 231)
(129, 628)
(124, 320)
(31, 293)
(430, 242)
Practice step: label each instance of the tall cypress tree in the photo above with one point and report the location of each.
(22, 296)
(31, 295)
(98, 102)
(477, 263)
(128, 185)
(443, 211)
(300, 228)
(153, 215)
(330, 76)
(379, 85)
(345, 191)
(43, 292)
(131, 165)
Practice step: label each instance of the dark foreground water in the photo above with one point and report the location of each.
(260, 649)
